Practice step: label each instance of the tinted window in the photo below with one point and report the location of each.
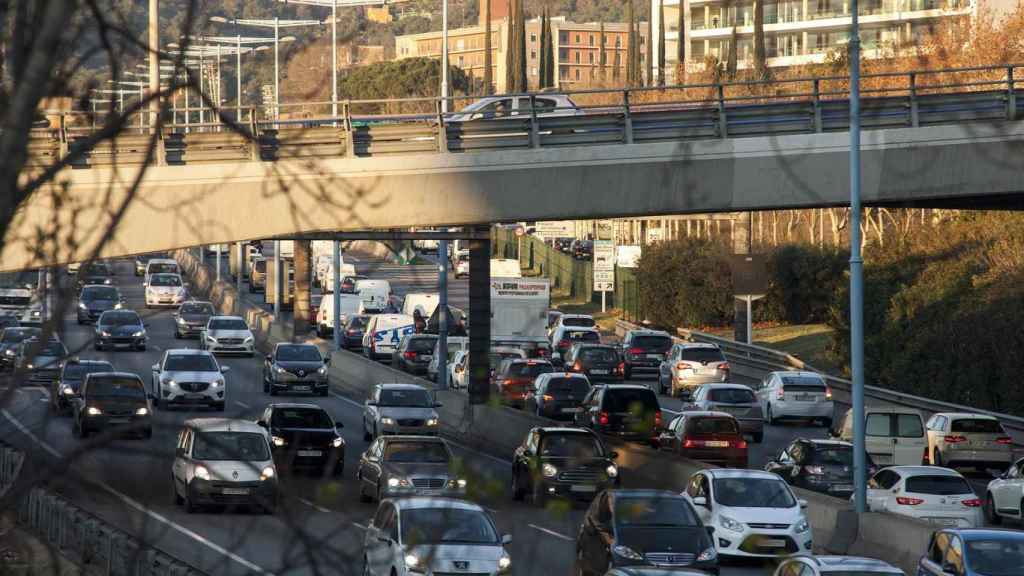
(244, 446)
(702, 355)
(190, 363)
(121, 387)
(570, 446)
(838, 455)
(731, 396)
(581, 335)
(299, 354)
(712, 426)
(301, 418)
(753, 493)
(574, 386)
(655, 511)
(228, 324)
(940, 485)
(96, 269)
(909, 426)
(76, 371)
(446, 525)
(165, 280)
(422, 345)
(358, 322)
(197, 308)
(19, 334)
(979, 426)
(431, 452)
(162, 267)
(528, 370)
(652, 343)
(996, 557)
(90, 293)
(803, 383)
(126, 318)
(53, 348)
(599, 355)
(409, 397)
(630, 400)
(578, 321)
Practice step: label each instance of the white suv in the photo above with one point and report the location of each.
(754, 513)
(187, 376)
(227, 335)
(936, 495)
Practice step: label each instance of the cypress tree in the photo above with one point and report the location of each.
(630, 46)
(509, 50)
(760, 55)
(522, 83)
(602, 55)
(649, 51)
(542, 73)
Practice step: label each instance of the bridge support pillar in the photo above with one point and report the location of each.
(480, 317)
(302, 288)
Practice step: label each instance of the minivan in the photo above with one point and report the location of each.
(894, 435)
(426, 303)
(160, 266)
(258, 275)
(376, 295)
(384, 333)
(351, 304)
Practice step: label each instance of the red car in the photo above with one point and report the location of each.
(515, 378)
(711, 437)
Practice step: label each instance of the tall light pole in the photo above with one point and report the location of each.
(444, 56)
(217, 49)
(251, 43)
(154, 61)
(856, 273)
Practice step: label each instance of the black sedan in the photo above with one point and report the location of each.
(10, 343)
(599, 362)
(824, 466)
(68, 386)
(191, 318)
(304, 437)
(352, 333)
(566, 462)
(643, 528)
(94, 273)
(120, 328)
(96, 299)
(112, 400)
(295, 368)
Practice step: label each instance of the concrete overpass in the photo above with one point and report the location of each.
(621, 168)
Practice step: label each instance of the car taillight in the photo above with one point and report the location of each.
(602, 418)
(724, 367)
(905, 501)
(621, 368)
(828, 393)
(692, 443)
(954, 439)
(657, 419)
(780, 394)
(682, 366)
(971, 502)
(409, 355)
(563, 344)
(549, 398)
(577, 367)
(352, 332)
(926, 458)
(1004, 440)
(741, 444)
(636, 351)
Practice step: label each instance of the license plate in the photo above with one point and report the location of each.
(302, 388)
(310, 453)
(654, 356)
(842, 487)
(582, 488)
(598, 371)
(944, 521)
(195, 396)
(427, 492)
(772, 543)
(717, 443)
(118, 421)
(236, 491)
(706, 370)
(426, 358)
(804, 398)
(571, 410)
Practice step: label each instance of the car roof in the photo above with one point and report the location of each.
(725, 386)
(223, 425)
(90, 286)
(740, 473)
(645, 332)
(805, 373)
(227, 318)
(303, 405)
(88, 361)
(824, 442)
(627, 387)
(421, 502)
(163, 260)
(699, 345)
(858, 563)
(413, 438)
(923, 470)
(565, 315)
(584, 344)
(965, 415)
(643, 493)
(189, 352)
(565, 430)
(550, 375)
(399, 386)
(707, 414)
(114, 374)
(302, 344)
(197, 302)
(986, 533)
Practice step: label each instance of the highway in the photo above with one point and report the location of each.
(319, 524)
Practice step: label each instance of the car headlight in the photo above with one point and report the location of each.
(82, 306)
(142, 411)
(611, 471)
(626, 552)
(139, 334)
(211, 339)
(202, 473)
(170, 383)
(730, 524)
(93, 411)
(707, 555)
(216, 383)
(181, 321)
(279, 370)
(278, 441)
(106, 280)
(66, 390)
(412, 561)
(461, 482)
(322, 370)
(118, 306)
(338, 442)
(29, 366)
(396, 482)
(504, 563)
(549, 471)
(248, 339)
(431, 421)
(9, 352)
(104, 334)
(802, 526)
(267, 473)
(387, 421)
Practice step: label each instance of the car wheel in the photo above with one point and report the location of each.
(991, 516)
(141, 348)
(147, 433)
(936, 457)
(177, 335)
(219, 406)
(190, 506)
(363, 496)
(323, 393)
(380, 492)
(273, 391)
(627, 373)
(97, 346)
(517, 490)
(157, 404)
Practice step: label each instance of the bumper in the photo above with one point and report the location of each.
(763, 544)
(218, 348)
(398, 492)
(611, 376)
(205, 398)
(988, 458)
(103, 421)
(968, 519)
(113, 341)
(189, 329)
(307, 385)
(643, 365)
(353, 343)
(43, 376)
(626, 434)
(784, 409)
(832, 488)
(396, 429)
(558, 412)
(570, 491)
(172, 301)
(687, 380)
(219, 493)
(725, 457)
(415, 367)
(330, 458)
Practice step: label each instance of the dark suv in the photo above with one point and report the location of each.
(352, 335)
(191, 318)
(94, 273)
(558, 395)
(296, 368)
(69, 384)
(304, 437)
(414, 353)
(565, 462)
(112, 399)
(515, 378)
(644, 351)
(627, 411)
(95, 299)
(598, 362)
(824, 466)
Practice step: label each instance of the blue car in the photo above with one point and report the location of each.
(974, 552)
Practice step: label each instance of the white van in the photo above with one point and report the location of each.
(456, 344)
(376, 294)
(505, 268)
(426, 303)
(327, 278)
(384, 333)
(350, 304)
(160, 266)
(894, 435)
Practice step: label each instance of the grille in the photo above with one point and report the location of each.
(670, 559)
(229, 341)
(433, 483)
(410, 422)
(580, 476)
(768, 526)
(194, 386)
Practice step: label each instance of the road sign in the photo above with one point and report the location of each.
(605, 230)
(627, 256)
(556, 229)
(604, 265)
(655, 235)
(749, 274)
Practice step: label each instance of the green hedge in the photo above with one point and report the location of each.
(685, 282)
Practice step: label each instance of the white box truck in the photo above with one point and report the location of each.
(519, 314)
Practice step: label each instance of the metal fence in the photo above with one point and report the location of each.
(627, 295)
(570, 278)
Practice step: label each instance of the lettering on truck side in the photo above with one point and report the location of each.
(396, 334)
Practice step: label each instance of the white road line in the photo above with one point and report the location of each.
(140, 507)
(550, 532)
(242, 404)
(314, 506)
(358, 525)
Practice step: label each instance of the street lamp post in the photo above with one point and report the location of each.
(444, 57)
(239, 45)
(856, 274)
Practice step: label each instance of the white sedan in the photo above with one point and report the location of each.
(227, 335)
(937, 495)
(165, 289)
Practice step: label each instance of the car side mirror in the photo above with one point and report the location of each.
(156, 367)
(179, 452)
(338, 425)
(700, 501)
(224, 369)
(613, 455)
(261, 423)
(802, 503)
(506, 539)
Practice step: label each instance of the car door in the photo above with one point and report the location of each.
(155, 379)
(702, 489)
(371, 465)
(668, 437)
(908, 442)
(664, 369)
(1006, 490)
(179, 470)
(598, 531)
(931, 563)
(370, 410)
(878, 437)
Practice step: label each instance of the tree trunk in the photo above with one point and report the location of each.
(488, 75)
(681, 46)
(661, 41)
(543, 71)
(602, 56)
(649, 51)
(301, 305)
(760, 55)
(509, 49)
(630, 45)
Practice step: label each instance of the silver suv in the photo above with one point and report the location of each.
(689, 365)
(186, 376)
(399, 409)
(735, 399)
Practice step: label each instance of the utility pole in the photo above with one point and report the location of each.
(154, 62)
(856, 273)
(442, 315)
(444, 57)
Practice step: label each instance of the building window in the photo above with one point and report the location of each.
(533, 55)
(460, 44)
(577, 54)
(577, 74)
(590, 56)
(563, 55)
(618, 42)
(563, 37)
(591, 39)
(533, 37)
(563, 73)
(618, 59)
(462, 62)
(578, 39)
(642, 40)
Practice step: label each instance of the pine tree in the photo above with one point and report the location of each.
(547, 52)
(730, 63)
(522, 80)
(661, 41)
(488, 75)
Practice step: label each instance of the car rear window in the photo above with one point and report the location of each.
(120, 387)
(599, 355)
(574, 386)
(529, 369)
(652, 343)
(803, 383)
(697, 426)
(358, 322)
(977, 426)
(159, 268)
(938, 485)
(578, 321)
(702, 355)
(196, 308)
(629, 399)
(732, 396)
(76, 371)
(909, 426)
(838, 455)
(582, 335)
(422, 345)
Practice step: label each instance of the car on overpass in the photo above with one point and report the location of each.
(517, 107)
(295, 368)
(400, 409)
(353, 331)
(191, 318)
(515, 377)
(223, 462)
(571, 463)
(227, 335)
(397, 466)
(1004, 496)
(304, 437)
(112, 400)
(455, 344)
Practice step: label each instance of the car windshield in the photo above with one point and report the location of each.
(52, 348)
(712, 425)
(119, 387)
(301, 418)
(405, 397)
(561, 386)
(753, 493)
(13, 336)
(165, 280)
(92, 293)
(652, 343)
(732, 396)
(96, 269)
(837, 455)
(938, 485)
(653, 511)
(992, 557)
(570, 446)
(428, 452)
(630, 400)
(702, 355)
(584, 321)
(976, 426)
(422, 345)
(228, 324)
(122, 318)
(446, 526)
(162, 267)
(244, 446)
(77, 371)
(190, 363)
(528, 369)
(197, 308)
(599, 355)
(299, 354)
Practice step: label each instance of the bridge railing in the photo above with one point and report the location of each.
(597, 116)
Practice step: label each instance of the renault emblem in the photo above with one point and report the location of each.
(461, 564)
(302, 373)
(234, 474)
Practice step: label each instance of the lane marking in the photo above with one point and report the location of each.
(358, 525)
(314, 506)
(550, 532)
(139, 506)
(242, 404)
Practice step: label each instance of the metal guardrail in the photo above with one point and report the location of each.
(86, 540)
(620, 116)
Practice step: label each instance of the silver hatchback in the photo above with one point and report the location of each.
(400, 409)
(734, 399)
